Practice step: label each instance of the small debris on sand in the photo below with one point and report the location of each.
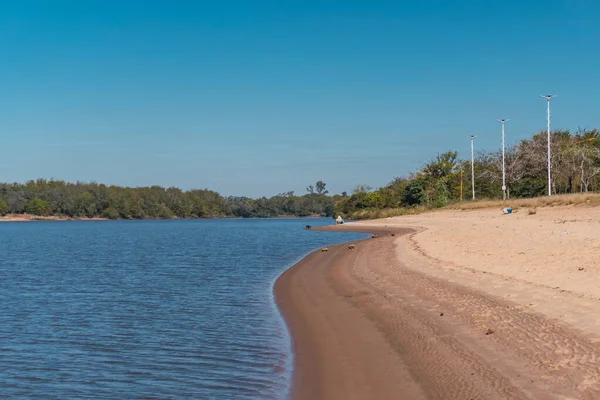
(489, 331)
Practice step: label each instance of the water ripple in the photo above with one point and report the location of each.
(160, 310)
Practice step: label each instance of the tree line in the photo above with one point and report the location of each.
(575, 166)
(91, 200)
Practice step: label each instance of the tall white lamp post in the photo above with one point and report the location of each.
(472, 167)
(503, 121)
(549, 97)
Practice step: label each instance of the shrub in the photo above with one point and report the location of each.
(37, 207)
(3, 207)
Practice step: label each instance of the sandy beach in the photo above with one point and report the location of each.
(455, 305)
(32, 218)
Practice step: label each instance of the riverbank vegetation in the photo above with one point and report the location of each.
(446, 180)
(443, 181)
(91, 200)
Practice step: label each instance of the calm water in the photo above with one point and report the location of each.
(147, 309)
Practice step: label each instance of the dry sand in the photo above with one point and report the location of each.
(32, 218)
(547, 261)
(469, 305)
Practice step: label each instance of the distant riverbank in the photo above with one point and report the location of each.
(33, 218)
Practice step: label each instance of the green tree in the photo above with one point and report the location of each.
(414, 193)
(320, 188)
(441, 193)
(112, 213)
(3, 207)
(329, 209)
(361, 189)
(37, 207)
(442, 165)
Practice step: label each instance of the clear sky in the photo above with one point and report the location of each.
(259, 97)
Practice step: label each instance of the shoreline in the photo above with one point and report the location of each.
(280, 314)
(368, 323)
(315, 364)
(38, 218)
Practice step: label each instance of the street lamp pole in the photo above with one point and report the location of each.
(549, 97)
(472, 167)
(503, 167)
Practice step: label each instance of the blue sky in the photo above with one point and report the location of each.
(260, 97)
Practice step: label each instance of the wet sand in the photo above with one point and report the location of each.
(383, 321)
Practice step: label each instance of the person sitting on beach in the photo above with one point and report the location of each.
(339, 220)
